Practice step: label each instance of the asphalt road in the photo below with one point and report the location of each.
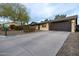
(45, 43)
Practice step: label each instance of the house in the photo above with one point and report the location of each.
(64, 24)
(40, 26)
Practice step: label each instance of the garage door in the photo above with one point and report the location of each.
(62, 26)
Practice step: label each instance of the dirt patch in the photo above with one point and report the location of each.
(71, 46)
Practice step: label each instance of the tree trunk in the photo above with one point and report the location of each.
(21, 26)
(6, 32)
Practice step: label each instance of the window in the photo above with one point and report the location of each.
(43, 25)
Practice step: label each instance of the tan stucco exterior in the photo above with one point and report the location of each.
(36, 27)
(65, 24)
(73, 25)
(44, 28)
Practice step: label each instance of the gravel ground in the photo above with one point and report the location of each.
(71, 46)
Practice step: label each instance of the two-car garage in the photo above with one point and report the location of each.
(65, 24)
(61, 26)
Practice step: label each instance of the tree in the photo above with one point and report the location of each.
(5, 13)
(59, 16)
(20, 14)
(15, 12)
(5, 10)
(46, 20)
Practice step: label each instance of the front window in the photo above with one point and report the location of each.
(43, 25)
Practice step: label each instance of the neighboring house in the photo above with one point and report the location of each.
(13, 23)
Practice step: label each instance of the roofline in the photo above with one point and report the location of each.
(66, 19)
(58, 20)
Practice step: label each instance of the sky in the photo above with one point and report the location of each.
(41, 11)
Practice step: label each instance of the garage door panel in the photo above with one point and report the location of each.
(61, 26)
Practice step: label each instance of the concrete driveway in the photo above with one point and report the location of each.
(45, 43)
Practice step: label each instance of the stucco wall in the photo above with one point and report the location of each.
(44, 28)
(36, 27)
(73, 25)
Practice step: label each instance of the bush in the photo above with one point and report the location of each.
(4, 29)
(14, 27)
(27, 28)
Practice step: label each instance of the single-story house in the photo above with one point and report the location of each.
(40, 26)
(64, 24)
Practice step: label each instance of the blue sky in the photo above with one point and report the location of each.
(40, 11)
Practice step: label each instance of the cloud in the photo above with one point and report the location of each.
(40, 11)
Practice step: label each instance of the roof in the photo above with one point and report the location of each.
(58, 20)
(65, 19)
